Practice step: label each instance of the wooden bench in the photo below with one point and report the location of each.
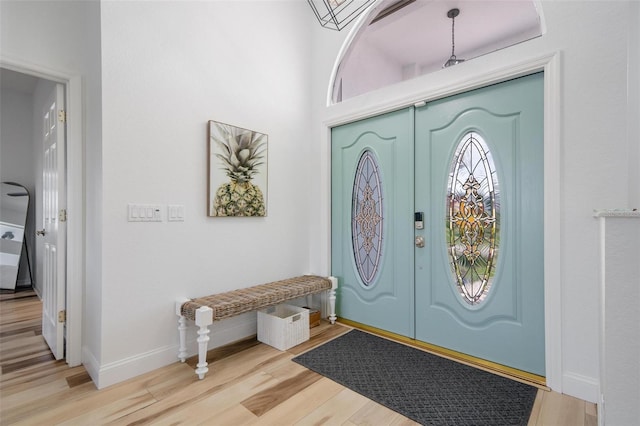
(204, 310)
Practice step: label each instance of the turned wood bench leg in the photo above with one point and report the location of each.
(182, 331)
(332, 299)
(204, 318)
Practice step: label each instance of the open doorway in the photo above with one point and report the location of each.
(33, 147)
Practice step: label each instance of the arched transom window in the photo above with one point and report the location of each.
(402, 39)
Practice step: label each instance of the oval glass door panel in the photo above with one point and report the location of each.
(367, 218)
(473, 218)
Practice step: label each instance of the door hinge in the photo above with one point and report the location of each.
(62, 216)
(62, 316)
(62, 116)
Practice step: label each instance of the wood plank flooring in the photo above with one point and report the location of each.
(249, 383)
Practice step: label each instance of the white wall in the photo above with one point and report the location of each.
(592, 42)
(368, 68)
(633, 105)
(620, 316)
(168, 68)
(16, 138)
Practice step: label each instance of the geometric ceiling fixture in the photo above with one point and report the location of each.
(452, 59)
(337, 14)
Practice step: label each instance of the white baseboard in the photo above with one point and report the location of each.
(127, 368)
(579, 386)
(222, 333)
(90, 364)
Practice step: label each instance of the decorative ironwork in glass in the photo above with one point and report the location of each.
(367, 218)
(473, 218)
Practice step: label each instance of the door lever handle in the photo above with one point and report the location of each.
(420, 241)
(41, 233)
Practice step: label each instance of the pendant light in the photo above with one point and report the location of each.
(337, 14)
(453, 60)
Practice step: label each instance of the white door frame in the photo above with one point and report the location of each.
(429, 88)
(75, 198)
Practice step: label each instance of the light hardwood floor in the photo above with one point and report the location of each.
(249, 383)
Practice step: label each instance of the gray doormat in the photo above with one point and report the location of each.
(426, 388)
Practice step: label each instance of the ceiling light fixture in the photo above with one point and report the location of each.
(452, 59)
(337, 14)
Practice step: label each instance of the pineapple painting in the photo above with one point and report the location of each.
(238, 186)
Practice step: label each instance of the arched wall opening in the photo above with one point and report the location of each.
(501, 65)
(400, 40)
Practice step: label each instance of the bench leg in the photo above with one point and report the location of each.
(182, 331)
(332, 299)
(204, 318)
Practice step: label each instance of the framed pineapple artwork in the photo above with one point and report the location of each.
(237, 171)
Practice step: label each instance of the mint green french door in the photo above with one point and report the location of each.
(371, 240)
(469, 277)
(480, 279)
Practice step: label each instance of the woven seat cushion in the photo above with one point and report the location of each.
(236, 302)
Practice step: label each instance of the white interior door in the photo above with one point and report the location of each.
(53, 229)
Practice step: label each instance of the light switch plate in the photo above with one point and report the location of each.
(175, 213)
(144, 213)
